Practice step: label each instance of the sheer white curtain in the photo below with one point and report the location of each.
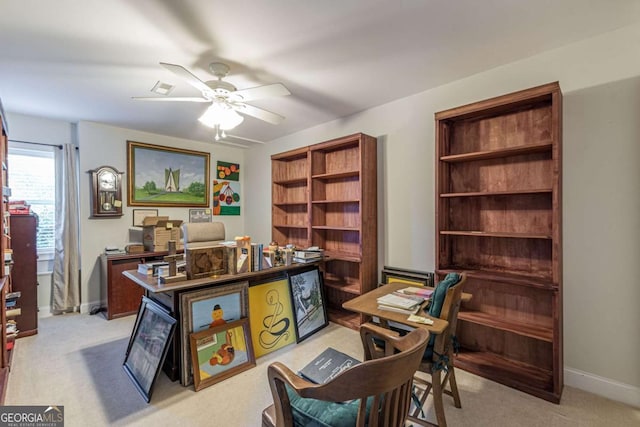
(65, 289)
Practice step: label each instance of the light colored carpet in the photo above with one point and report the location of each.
(76, 361)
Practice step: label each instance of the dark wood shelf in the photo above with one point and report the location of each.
(335, 201)
(495, 234)
(336, 175)
(291, 181)
(341, 256)
(499, 153)
(528, 378)
(498, 193)
(290, 226)
(353, 289)
(520, 328)
(334, 227)
(544, 283)
(290, 203)
(345, 318)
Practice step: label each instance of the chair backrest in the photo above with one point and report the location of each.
(449, 312)
(383, 383)
(202, 234)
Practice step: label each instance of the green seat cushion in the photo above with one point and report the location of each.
(437, 300)
(318, 413)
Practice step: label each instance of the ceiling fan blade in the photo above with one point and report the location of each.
(258, 113)
(242, 138)
(175, 98)
(186, 75)
(259, 92)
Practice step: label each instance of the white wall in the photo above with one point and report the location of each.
(601, 202)
(107, 145)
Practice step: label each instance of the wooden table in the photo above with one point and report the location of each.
(367, 305)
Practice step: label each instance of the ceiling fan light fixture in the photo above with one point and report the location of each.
(221, 116)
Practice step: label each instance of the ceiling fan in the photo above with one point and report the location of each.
(225, 99)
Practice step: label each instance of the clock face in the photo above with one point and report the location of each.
(107, 181)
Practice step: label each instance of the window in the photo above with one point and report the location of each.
(32, 178)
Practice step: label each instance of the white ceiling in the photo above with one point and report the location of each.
(78, 60)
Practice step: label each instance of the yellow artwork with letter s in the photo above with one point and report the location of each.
(271, 316)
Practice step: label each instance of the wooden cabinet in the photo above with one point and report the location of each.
(498, 218)
(325, 195)
(123, 296)
(24, 278)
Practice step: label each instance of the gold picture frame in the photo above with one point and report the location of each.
(157, 176)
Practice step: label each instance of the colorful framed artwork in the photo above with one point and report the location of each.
(308, 300)
(226, 189)
(200, 215)
(166, 176)
(272, 325)
(208, 308)
(410, 277)
(148, 346)
(140, 214)
(221, 352)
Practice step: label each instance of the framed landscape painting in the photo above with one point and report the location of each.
(167, 176)
(221, 352)
(308, 302)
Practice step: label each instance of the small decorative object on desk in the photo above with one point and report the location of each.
(327, 365)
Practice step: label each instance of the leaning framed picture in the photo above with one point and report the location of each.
(221, 352)
(410, 277)
(148, 346)
(167, 176)
(205, 309)
(272, 325)
(200, 215)
(140, 214)
(308, 300)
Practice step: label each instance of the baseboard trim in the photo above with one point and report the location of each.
(601, 386)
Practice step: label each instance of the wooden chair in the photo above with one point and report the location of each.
(439, 358)
(383, 381)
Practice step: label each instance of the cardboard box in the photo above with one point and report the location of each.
(158, 230)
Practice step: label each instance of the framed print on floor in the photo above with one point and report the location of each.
(308, 300)
(167, 176)
(410, 277)
(208, 308)
(271, 316)
(221, 352)
(148, 346)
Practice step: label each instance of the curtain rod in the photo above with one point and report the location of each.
(37, 143)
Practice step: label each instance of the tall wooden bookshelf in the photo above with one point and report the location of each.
(5, 282)
(325, 195)
(498, 218)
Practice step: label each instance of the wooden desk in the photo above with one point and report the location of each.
(367, 304)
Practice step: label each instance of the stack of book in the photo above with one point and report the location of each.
(308, 255)
(419, 291)
(151, 268)
(400, 303)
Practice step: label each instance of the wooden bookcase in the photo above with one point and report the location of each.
(325, 195)
(5, 279)
(24, 277)
(498, 218)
